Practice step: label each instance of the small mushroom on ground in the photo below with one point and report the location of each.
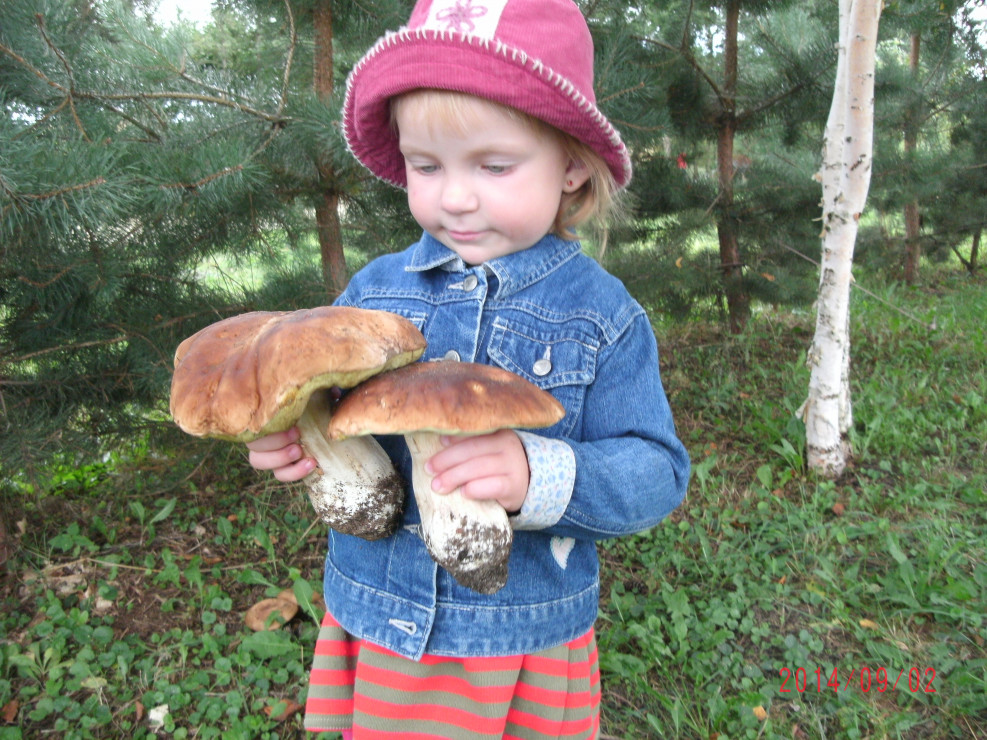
(263, 372)
(270, 614)
(471, 539)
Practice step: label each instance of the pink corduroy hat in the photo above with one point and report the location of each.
(532, 55)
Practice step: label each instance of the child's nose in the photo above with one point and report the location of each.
(458, 196)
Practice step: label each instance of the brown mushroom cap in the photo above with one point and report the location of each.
(258, 617)
(445, 398)
(252, 374)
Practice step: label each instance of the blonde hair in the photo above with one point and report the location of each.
(595, 203)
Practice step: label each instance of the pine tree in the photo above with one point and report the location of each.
(136, 165)
(744, 120)
(957, 213)
(923, 81)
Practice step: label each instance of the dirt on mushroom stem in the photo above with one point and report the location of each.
(375, 518)
(476, 555)
(468, 538)
(355, 489)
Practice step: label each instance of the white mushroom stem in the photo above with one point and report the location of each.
(355, 489)
(469, 538)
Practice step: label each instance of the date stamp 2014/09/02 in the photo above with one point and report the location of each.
(864, 679)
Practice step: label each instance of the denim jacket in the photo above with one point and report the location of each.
(613, 466)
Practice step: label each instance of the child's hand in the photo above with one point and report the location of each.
(281, 453)
(489, 466)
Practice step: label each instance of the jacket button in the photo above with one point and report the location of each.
(470, 283)
(451, 356)
(543, 366)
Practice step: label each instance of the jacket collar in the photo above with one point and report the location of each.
(514, 272)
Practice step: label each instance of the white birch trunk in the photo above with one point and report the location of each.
(846, 171)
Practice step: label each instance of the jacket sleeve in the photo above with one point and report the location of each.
(631, 470)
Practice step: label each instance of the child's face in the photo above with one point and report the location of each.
(490, 190)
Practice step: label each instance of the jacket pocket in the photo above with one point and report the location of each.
(417, 318)
(561, 361)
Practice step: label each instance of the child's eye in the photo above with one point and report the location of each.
(496, 169)
(426, 169)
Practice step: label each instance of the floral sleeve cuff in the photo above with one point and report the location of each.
(553, 475)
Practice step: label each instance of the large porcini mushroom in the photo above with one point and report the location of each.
(262, 372)
(469, 538)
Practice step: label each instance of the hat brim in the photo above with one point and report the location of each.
(411, 60)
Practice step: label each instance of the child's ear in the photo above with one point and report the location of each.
(576, 175)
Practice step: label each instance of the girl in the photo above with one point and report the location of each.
(484, 110)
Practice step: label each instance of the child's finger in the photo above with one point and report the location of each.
(459, 450)
(274, 441)
(295, 471)
(274, 459)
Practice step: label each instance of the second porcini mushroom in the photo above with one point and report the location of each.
(469, 538)
(262, 372)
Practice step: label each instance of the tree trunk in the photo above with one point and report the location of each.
(975, 252)
(327, 207)
(913, 245)
(970, 264)
(731, 266)
(847, 159)
(6, 547)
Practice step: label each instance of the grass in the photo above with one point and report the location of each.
(772, 604)
(775, 604)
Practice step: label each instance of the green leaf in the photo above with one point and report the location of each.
(165, 511)
(269, 644)
(895, 552)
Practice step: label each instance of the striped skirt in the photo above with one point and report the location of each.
(355, 684)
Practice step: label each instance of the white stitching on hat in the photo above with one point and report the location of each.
(507, 52)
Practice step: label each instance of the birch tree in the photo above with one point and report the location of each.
(845, 176)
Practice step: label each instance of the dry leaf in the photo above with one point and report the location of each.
(9, 711)
(869, 624)
(838, 508)
(290, 708)
(760, 713)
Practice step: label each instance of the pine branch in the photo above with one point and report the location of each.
(205, 180)
(63, 348)
(293, 36)
(686, 53)
(96, 182)
(29, 67)
(749, 113)
(35, 284)
(40, 19)
(220, 99)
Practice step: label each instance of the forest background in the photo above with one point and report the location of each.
(154, 179)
